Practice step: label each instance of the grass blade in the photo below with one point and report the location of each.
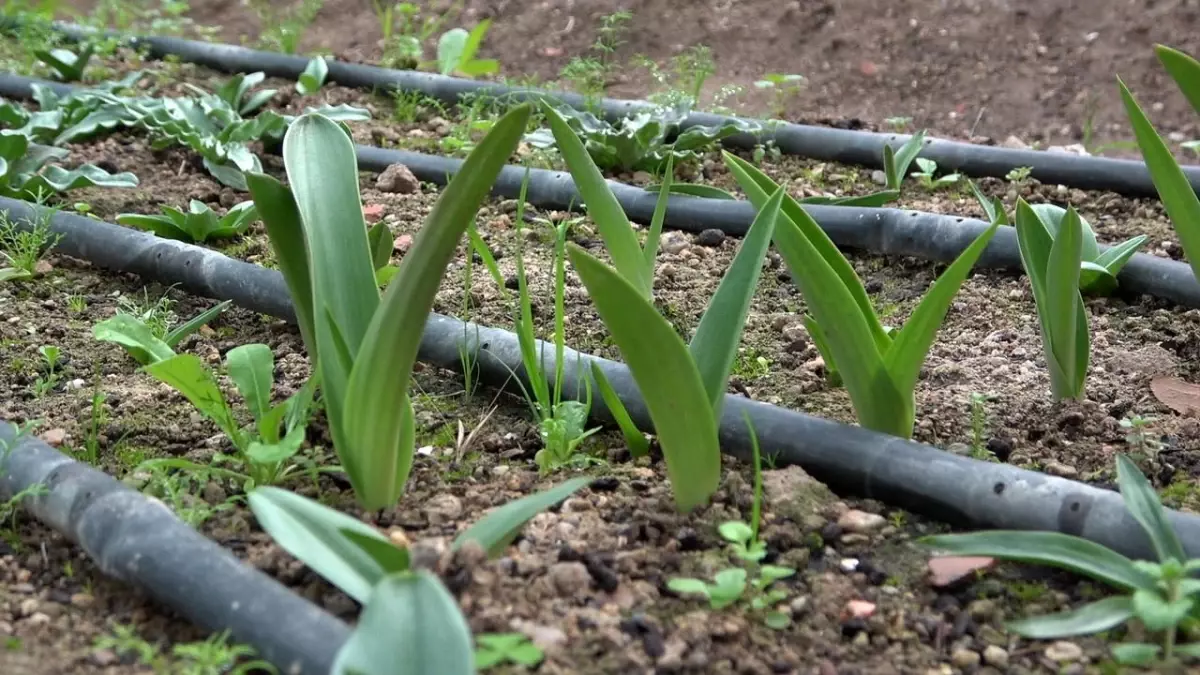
(1089, 619)
(1053, 549)
(195, 323)
(602, 206)
(650, 250)
(714, 346)
(1143, 503)
(498, 529)
(1063, 298)
(378, 383)
(634, 438)
(665, 374)
(1184, 69)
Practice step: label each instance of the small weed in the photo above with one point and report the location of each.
(925, 176)
(751, 364)
(498, 648)
(1144, 447)
(21, 249)
(730, 585)
(589, 75)
(898, 124)
(1019, 174)
(9, 510)
(783, 87)
(50, 370)
(284, 25)
(413, 106)
(979, 425)
(76, 303)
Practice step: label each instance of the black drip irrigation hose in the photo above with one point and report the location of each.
(139, 541)
(850, 459)
(885, 231)
(865, 148)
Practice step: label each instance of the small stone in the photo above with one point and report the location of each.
(673, 243)
(860, 521)
(798, 605)
(83, 600)
(879, 177)
(995, 655)
(858, 609)
(27, 607)
(54, 437)
(711, 237)
(1014, 143)
(402, 243)
(104, 657)
(569, 578)
(399, 179)
(397, 537)
(38, 619)
(1061, 470)
(1064, 652)
(848, 565)
(213, 493)
(947, 570)
(42, 267)
(443, 509)
(964, 658)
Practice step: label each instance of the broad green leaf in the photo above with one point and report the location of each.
(1140, 653)
(758, 186)
(391, 558)
(686, 585)
(832, 376)
(634, 438)
(1156, 612)
(274, 453)
(1035, 244)
(162, 226)
(411, 626)
(497, 530)
(1174, 189)
(450, 49)
(1053, 549)
(1143, 503)
(188, 375)
(906, 154)
(603, 207)
(252, 369)
(314, 534)
(714, 346)
(323, 171)
(650, 249)
(379, 239)
(1115, 257)
(1053, 217)
(194, 324)
(275, 205)
(1064, 302)
(134, 336)
(1184, 69)
(313, 77)
(1091, 618)
(910, 347)
(665, 374)
(378, 384)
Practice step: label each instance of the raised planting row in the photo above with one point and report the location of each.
(340, 312)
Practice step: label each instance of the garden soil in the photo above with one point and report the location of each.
(588, 580)
(1034, 69)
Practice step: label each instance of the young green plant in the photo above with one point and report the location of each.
(1174, 189)
(199, 224)
(562, 425)
(879, 367)
(1161, 595)
(730, 584)
(411, 624)
(683, 385)
(1053, 265)
(364, 346)
(141, 339)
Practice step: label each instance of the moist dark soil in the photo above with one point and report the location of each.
(961, 68)
(588, 581)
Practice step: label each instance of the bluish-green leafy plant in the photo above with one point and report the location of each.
(236, 93)
(896, 162)
(879, 367)
(138, 337)
(199, 224)
(68, 66)
(1174, 189)
(411, 625)
(212, 125)
(56, 112)
(313, 77)
(498, 648)
(26, 171)
(1053, 265)
(456, 51)
(1163, 596)
(638, 142)
(364, 346)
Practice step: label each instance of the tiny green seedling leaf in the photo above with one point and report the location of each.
(499, 528)
(313, 77)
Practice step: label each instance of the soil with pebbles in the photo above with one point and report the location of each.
(587, 581)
